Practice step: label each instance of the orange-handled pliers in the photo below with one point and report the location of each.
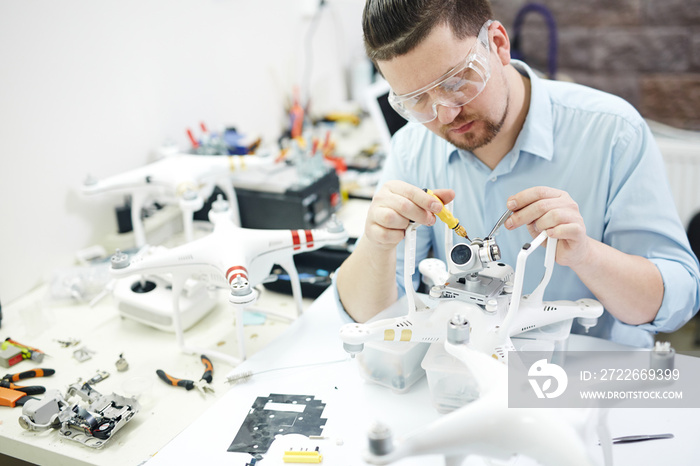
(202, 384)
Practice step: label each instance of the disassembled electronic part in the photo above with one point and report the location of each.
(92, 420)
(275, 415)
(121, 363)
(662, 356)
(83, 354)
(68, 342)
(99, 377)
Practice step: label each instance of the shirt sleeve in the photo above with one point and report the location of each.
(641, 220)
(405, 164)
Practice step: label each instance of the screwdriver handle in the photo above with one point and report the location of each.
(31, 373)
(188, 384)
(209, 369)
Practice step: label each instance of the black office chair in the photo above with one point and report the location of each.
(694, 238)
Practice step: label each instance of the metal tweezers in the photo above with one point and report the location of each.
(640, 438)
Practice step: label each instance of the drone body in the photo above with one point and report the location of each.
(480, 289)
(183, 179)
(233, 258)
(474, 308)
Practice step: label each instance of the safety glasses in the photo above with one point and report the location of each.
(457, 87)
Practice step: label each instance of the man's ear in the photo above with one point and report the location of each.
(500, 42)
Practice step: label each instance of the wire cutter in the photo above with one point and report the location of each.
(15, 395)
(203, 384)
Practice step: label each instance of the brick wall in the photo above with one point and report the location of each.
(646, 51)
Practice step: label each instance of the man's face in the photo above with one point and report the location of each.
(471, 126)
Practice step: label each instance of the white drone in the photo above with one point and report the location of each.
(479, 288)
(487, 427)
(182, 179)
(474, 308)
(231, 257)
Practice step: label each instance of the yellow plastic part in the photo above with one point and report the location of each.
(406, 334)
(389, 335)
(308, 457)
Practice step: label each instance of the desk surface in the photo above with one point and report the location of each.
(165, 413)
(352, 405)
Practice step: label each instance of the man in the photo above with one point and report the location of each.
(577, 163)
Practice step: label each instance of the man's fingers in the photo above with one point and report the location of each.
(530, 195)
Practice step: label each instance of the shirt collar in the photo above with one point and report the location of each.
(537, 135)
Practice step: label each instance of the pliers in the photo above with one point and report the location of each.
(202, 384)
(15, 395)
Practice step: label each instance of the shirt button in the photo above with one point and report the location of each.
(494, 178)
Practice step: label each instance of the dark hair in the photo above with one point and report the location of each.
(394, 27)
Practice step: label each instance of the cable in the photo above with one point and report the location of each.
(246, 375)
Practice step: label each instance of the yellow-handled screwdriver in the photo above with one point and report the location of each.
(446, 216)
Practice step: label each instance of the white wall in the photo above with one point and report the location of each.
(95, 86)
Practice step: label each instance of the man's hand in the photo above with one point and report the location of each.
(394, 205)
(367, 279)
(547, 209)
(629, 287)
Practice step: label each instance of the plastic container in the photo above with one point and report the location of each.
(395, 365)
(555, 335)
(451, 384)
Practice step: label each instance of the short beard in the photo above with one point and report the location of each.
(474, 141)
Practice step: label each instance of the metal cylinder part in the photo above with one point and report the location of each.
(380, 440)
(458, 329)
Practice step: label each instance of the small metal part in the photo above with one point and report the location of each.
(68, 342)
(489, 251)
(120, 260)
(83, 354)
(458, 330)
(121, 363)
(662, 356)
(99, 377)
(380, 440)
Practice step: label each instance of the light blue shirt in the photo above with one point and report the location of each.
(596, 147)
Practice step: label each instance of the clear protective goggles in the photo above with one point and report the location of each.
(456, 88)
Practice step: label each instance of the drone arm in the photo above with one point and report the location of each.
(551, 251)
(518, 280)
(138, 200)
(409, 267)
(230, 191)
(288, 264)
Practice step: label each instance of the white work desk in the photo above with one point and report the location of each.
(353, 404)
(165, 413)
